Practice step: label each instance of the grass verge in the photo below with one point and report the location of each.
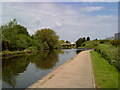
(106, 75)
(10, 54)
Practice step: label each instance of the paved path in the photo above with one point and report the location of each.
(76, 73)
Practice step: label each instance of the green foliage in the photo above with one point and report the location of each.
(90, 44)
(11, 68)
(67, 41)
(21, 42)
(88, 38)
(107, 48)
(9, 25)
(32, 48)
(47, 37)
(80, 41)
(94, 43)
(110, 53)
(103, 41)
(66, 47)
(106, 76)
(115, 42)
(58, 45)
(11, 34)
(45, 45)
(20, 29)
(16, 37)
(33, 42)
(62, 41)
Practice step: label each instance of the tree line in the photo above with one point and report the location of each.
(16, 37)
(80, 41)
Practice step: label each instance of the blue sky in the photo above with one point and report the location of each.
(60, 0)
(70, 20)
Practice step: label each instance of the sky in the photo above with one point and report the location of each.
(59, 0)
(70, 20)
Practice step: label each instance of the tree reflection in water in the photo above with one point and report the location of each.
(46, 59)
(78, 51)
(11, 68)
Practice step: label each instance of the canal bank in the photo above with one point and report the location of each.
(29, 68)
(12, 54)
(75, 73)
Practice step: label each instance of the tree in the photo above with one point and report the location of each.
(14, 36)
(67, 41)
(96, 39)
(80, 41)
(88, 38)
(62, 41)
(12, 23)
(20, 30)
(22, 41)
(47, 37)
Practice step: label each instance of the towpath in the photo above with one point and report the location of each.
(76, 73)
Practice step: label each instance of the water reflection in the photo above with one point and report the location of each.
(11, 68)
(46, 59)
(78, 51)
(20, 72)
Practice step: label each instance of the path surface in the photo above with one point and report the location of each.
(76, 73)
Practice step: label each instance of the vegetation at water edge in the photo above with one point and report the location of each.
(15, 37)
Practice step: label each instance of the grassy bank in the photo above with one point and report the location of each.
(106, 75)
(10, 54)
(110, 53)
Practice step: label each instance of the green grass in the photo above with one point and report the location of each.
(110, 53)
(10, 54)
(106, 75)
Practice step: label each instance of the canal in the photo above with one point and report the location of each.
(22, 71)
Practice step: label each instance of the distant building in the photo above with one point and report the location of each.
(117, 36)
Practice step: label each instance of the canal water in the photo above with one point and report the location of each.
(22, 71)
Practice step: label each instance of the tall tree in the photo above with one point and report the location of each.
(67, 41)
(47, 37)
(88, 38)
(14, 36)
(80, 41)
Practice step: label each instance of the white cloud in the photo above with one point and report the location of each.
(67, 21)
(0, 12)
(92, 8)
(93, 26)
(60, 0)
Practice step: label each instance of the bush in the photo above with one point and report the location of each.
(90, 44)
(103, 41)
(110, 53)
(115, 42)
(32, 48)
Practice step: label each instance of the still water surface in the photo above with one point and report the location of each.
(20, 72)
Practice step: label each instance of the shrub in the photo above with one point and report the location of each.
(103, 41)
(90, 44)
(110, 53)
(32, 48)
(115, 42)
